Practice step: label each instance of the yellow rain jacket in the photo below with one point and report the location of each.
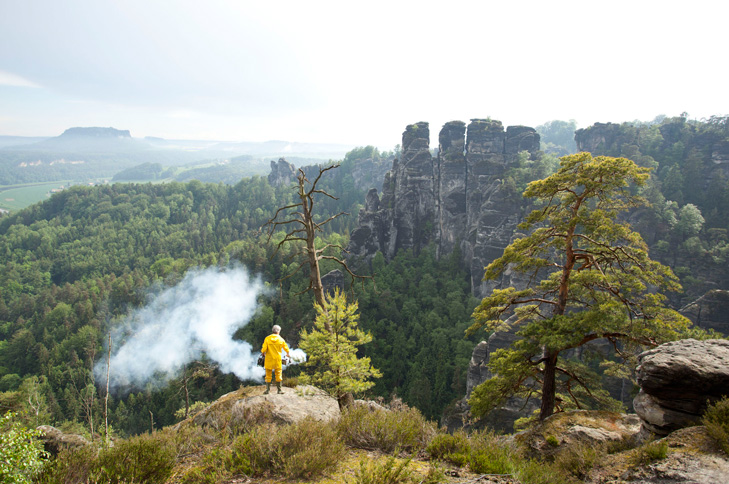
(272, 346)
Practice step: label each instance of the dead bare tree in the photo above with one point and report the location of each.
(298, 218)
(191, 372)
(106, 397)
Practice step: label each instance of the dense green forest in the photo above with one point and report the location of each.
(73, 266)
(687, 222)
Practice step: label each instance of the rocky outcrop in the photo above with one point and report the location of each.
(502, 418)
(602, 138)
(577, 428)
(248, 406)
(55, 440)
(454, 199)
(290, 407)
(692, 457)
(370, 172)
(720, 154)
(678, 380)
(282, 173)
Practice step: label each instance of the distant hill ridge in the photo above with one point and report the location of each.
(95, 132)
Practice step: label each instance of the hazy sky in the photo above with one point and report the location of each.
(352, 72)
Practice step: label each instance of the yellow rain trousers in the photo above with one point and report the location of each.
(272, 346)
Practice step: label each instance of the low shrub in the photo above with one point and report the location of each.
(386, 430)
(147, 458)
(552, 440)
(650, 452)
(299, 451)
(716, 420)
(218, 465)
(454, 448)
(434, 475)
(531, 471)
(489, 455)
(70, 466)
(579, 460)
(290, 382)
(194, 408)
(387, 472)
(191, 439)
(618, 446)
(253, 416)
(21, 451)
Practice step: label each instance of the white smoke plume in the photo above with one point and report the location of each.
(297, 356)
(199, 315)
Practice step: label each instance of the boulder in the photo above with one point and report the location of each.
(54, 440)
(293, 405)
(249, 405)
(678, 380)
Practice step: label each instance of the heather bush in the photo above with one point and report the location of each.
(218, 465)
(531, 471)
(70, 466)
(489, 455)
(388, 472)
(650, 452)
(405, 429)
(454, 448)
(144, 458)
(579, 460)
(716, 420)
(302, 450)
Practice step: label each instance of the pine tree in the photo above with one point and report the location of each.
(589, 277)
(331, 347)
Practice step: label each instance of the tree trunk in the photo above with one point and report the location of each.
(549, 386)
(345, 400)
(106, 397)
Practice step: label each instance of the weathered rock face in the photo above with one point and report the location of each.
(500, 419)
(693, 457)
(599, 138)
(294, 405)
(414, 197)
(578, 428)
(282, 173)
(478, 371)
(54, 440)
(249, 405)
(456, 199)
(451, 189)
(677, 379)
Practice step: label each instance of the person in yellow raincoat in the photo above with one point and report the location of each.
(272, 346)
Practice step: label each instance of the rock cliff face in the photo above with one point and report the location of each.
(282, 173)
(454, 199)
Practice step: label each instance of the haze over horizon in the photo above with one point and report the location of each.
(333, 72)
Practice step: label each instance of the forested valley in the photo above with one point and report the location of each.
(76, 264)
(73, 266)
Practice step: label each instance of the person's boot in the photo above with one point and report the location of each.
(268, 388)
(278, 385)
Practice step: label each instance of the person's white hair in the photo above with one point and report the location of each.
(276, 328)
